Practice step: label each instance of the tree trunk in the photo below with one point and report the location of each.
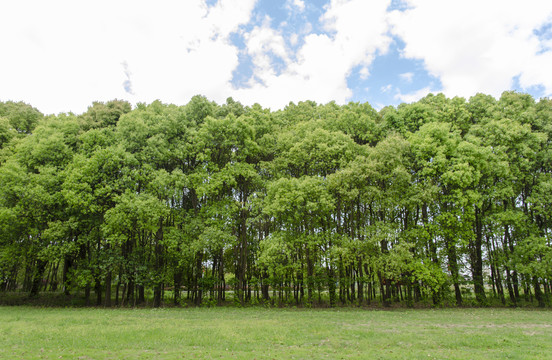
(117, 290)
(360, 283)
(453, 267)
(157, 296)
(310, 275)
(87, 294)
(108, 289)
(477, 260)
(98, 290)
(331, 286)
(513, 298)
(141, 294)
(177, 280)
(538, 293)
(67, 263)
(37, 277)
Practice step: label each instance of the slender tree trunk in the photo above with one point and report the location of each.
(513, 297)
(157, 295)
(198, 293)
(310, 274)
(67, 263)
(538, 293)
(87, 294)
(130, 292)
(48, 280)
(108, 289)
(222, 282)
(177, 280)
(385, 283)
(158, 262)
(453, 267)
(515, 281)
(141, 294)
(496, 268)
(360, 282)
(477, 260)
(117, 290)
(98, 290)
(37, 277)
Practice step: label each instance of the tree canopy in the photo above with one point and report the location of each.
(442, 201)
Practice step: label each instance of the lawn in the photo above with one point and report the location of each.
(249, 333)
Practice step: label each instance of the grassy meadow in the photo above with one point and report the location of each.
(259, 333)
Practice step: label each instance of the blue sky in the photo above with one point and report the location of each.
(62, 55)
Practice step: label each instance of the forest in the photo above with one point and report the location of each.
(444, 201)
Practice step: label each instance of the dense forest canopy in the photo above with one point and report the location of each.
(433, 202)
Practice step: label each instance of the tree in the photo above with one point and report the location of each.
(318, 203)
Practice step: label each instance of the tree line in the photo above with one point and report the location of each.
(443, 201)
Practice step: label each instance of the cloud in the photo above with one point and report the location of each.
(66, 54)
(319, 69)
(294, 39)
(265, 45)
(127, 84)
(364, 73)
(413, 96)
(386, 88)
(478, 46)
(407, 77)
(293, 5)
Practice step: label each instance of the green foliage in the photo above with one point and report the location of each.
(101, 115)
(310, 205)
(21, 117)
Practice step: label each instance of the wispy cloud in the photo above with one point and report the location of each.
(364, 73)
(294, 5)
(127, 84)
(407, 77)
(412, 96)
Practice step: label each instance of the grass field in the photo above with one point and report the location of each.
(258, 333)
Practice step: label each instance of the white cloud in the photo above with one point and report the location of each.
(413, 96)
(407, 77)
(264, 44)
(386, 88)
(321, 65)
(379, 106)
(127, 84)
(478, 46)
(295, 5)
(65, 54)
(364, 73)
(294, 39)
(307, 28)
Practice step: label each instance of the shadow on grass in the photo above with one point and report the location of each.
(77, 300)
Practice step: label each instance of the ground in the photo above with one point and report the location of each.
(249, 333)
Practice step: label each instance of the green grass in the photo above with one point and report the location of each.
(249, 333)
